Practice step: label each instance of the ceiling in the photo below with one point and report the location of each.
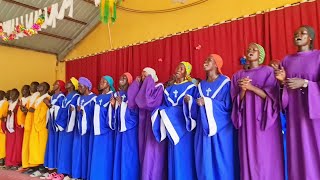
(69, 31)
(59, 40)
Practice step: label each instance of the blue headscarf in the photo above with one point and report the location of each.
(110, 82)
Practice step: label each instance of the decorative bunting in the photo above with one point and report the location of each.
(21, 29)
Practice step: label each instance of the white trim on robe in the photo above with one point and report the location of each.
(163, 133)
(208, 107)
(10, 119)
(193, 121)
(174, 135)
(181, 95)
(84, 115)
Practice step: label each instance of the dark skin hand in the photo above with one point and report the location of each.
(31, 110)
(200, 101)
(47, 102)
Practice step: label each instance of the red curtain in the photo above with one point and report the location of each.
(273, 30)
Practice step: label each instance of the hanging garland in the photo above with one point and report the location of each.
(108, 9)
(21, 29)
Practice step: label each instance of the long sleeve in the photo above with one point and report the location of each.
(40, 117)
(270, 113)
(215, 114)
(314, 103)
(133, 91)
(149, 96)
(237, 104)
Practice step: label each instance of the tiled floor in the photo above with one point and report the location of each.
(12, 175)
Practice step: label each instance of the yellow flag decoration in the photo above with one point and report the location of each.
(108, 10)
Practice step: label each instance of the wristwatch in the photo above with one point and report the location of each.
(305, 84)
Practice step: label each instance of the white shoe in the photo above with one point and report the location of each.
(44, 176)
(36, 174)
(67, 178)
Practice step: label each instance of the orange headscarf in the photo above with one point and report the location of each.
(218, 60)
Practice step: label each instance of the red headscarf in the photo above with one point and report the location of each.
(129, 77)
(62, 86)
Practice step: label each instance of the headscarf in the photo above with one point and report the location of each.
(75, 83)
(129, 77)
(218, 60)
(110, 82)
(86, 82)
(152, 73)
(262, 53)
(188, 67)
(312, 35)
(62, 86)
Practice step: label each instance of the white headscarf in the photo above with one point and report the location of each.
(152, 73)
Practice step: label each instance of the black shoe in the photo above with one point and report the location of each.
(14, 168)
(29, 171)
(1, 162)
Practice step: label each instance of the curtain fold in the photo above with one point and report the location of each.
(273, 30)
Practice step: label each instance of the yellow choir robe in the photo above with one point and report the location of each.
(39, 132)
(27, 129)
(21, 116)
(4, 105)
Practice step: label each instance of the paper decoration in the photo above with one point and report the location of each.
(108, 9)
(31, 23)
(21, 29)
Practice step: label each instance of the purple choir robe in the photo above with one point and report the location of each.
(303, 116)
(152, 154)
(260, 140)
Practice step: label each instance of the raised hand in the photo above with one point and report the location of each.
(186, 99)
(200, 101)
(280, 74)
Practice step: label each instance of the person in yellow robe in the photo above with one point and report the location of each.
(39, 131)
(22, 111)
(27, 127)
(21, 114)
(3, 114)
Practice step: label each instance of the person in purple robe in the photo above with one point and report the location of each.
(146, 95)
(255, 113)
(299, 74)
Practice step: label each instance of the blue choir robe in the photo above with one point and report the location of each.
(216, 139)
(51, 154)
(83, 125)
(126, 160)
(170, 120)
(102, 154)
(65, 121)
(284, 130)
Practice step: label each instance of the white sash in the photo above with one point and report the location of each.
(208, 107)
(10, 119)
(84, 115)
(72, 118)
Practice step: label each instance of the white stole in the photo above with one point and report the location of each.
(10, 119)
(84, 115)
(53, 111)
(208, 107)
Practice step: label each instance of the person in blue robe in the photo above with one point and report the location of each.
(126, 160)
(170, 120)
(65, 121)
(83, 125)
(215, 146)
(51, 154)
(102, 154)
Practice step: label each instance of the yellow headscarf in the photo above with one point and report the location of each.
(75, 83)
(188, 67)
